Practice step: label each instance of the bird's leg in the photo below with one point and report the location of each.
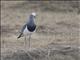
(25, 43)
(29, 40)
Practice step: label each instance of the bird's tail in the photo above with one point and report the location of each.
(20, 35)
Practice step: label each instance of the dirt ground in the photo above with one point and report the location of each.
(56, 36)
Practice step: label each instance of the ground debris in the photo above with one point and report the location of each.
(64, 53)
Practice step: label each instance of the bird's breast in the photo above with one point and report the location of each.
(31, 28)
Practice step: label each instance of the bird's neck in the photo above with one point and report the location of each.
(31, 19)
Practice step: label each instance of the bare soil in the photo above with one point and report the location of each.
(56, 37)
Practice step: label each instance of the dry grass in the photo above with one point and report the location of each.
(57, 24)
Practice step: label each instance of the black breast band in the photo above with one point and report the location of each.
(31, 28)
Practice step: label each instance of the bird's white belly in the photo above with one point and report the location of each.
(25, 32)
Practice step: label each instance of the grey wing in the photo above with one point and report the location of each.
(21, 33)
(23, 28)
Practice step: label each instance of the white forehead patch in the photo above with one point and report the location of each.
(34, 14)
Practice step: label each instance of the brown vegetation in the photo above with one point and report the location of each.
(56, 36)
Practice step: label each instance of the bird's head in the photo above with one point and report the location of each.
(33, 14)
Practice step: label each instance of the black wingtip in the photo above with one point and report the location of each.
(19, 36)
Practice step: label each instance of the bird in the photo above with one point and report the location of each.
(28, 28)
